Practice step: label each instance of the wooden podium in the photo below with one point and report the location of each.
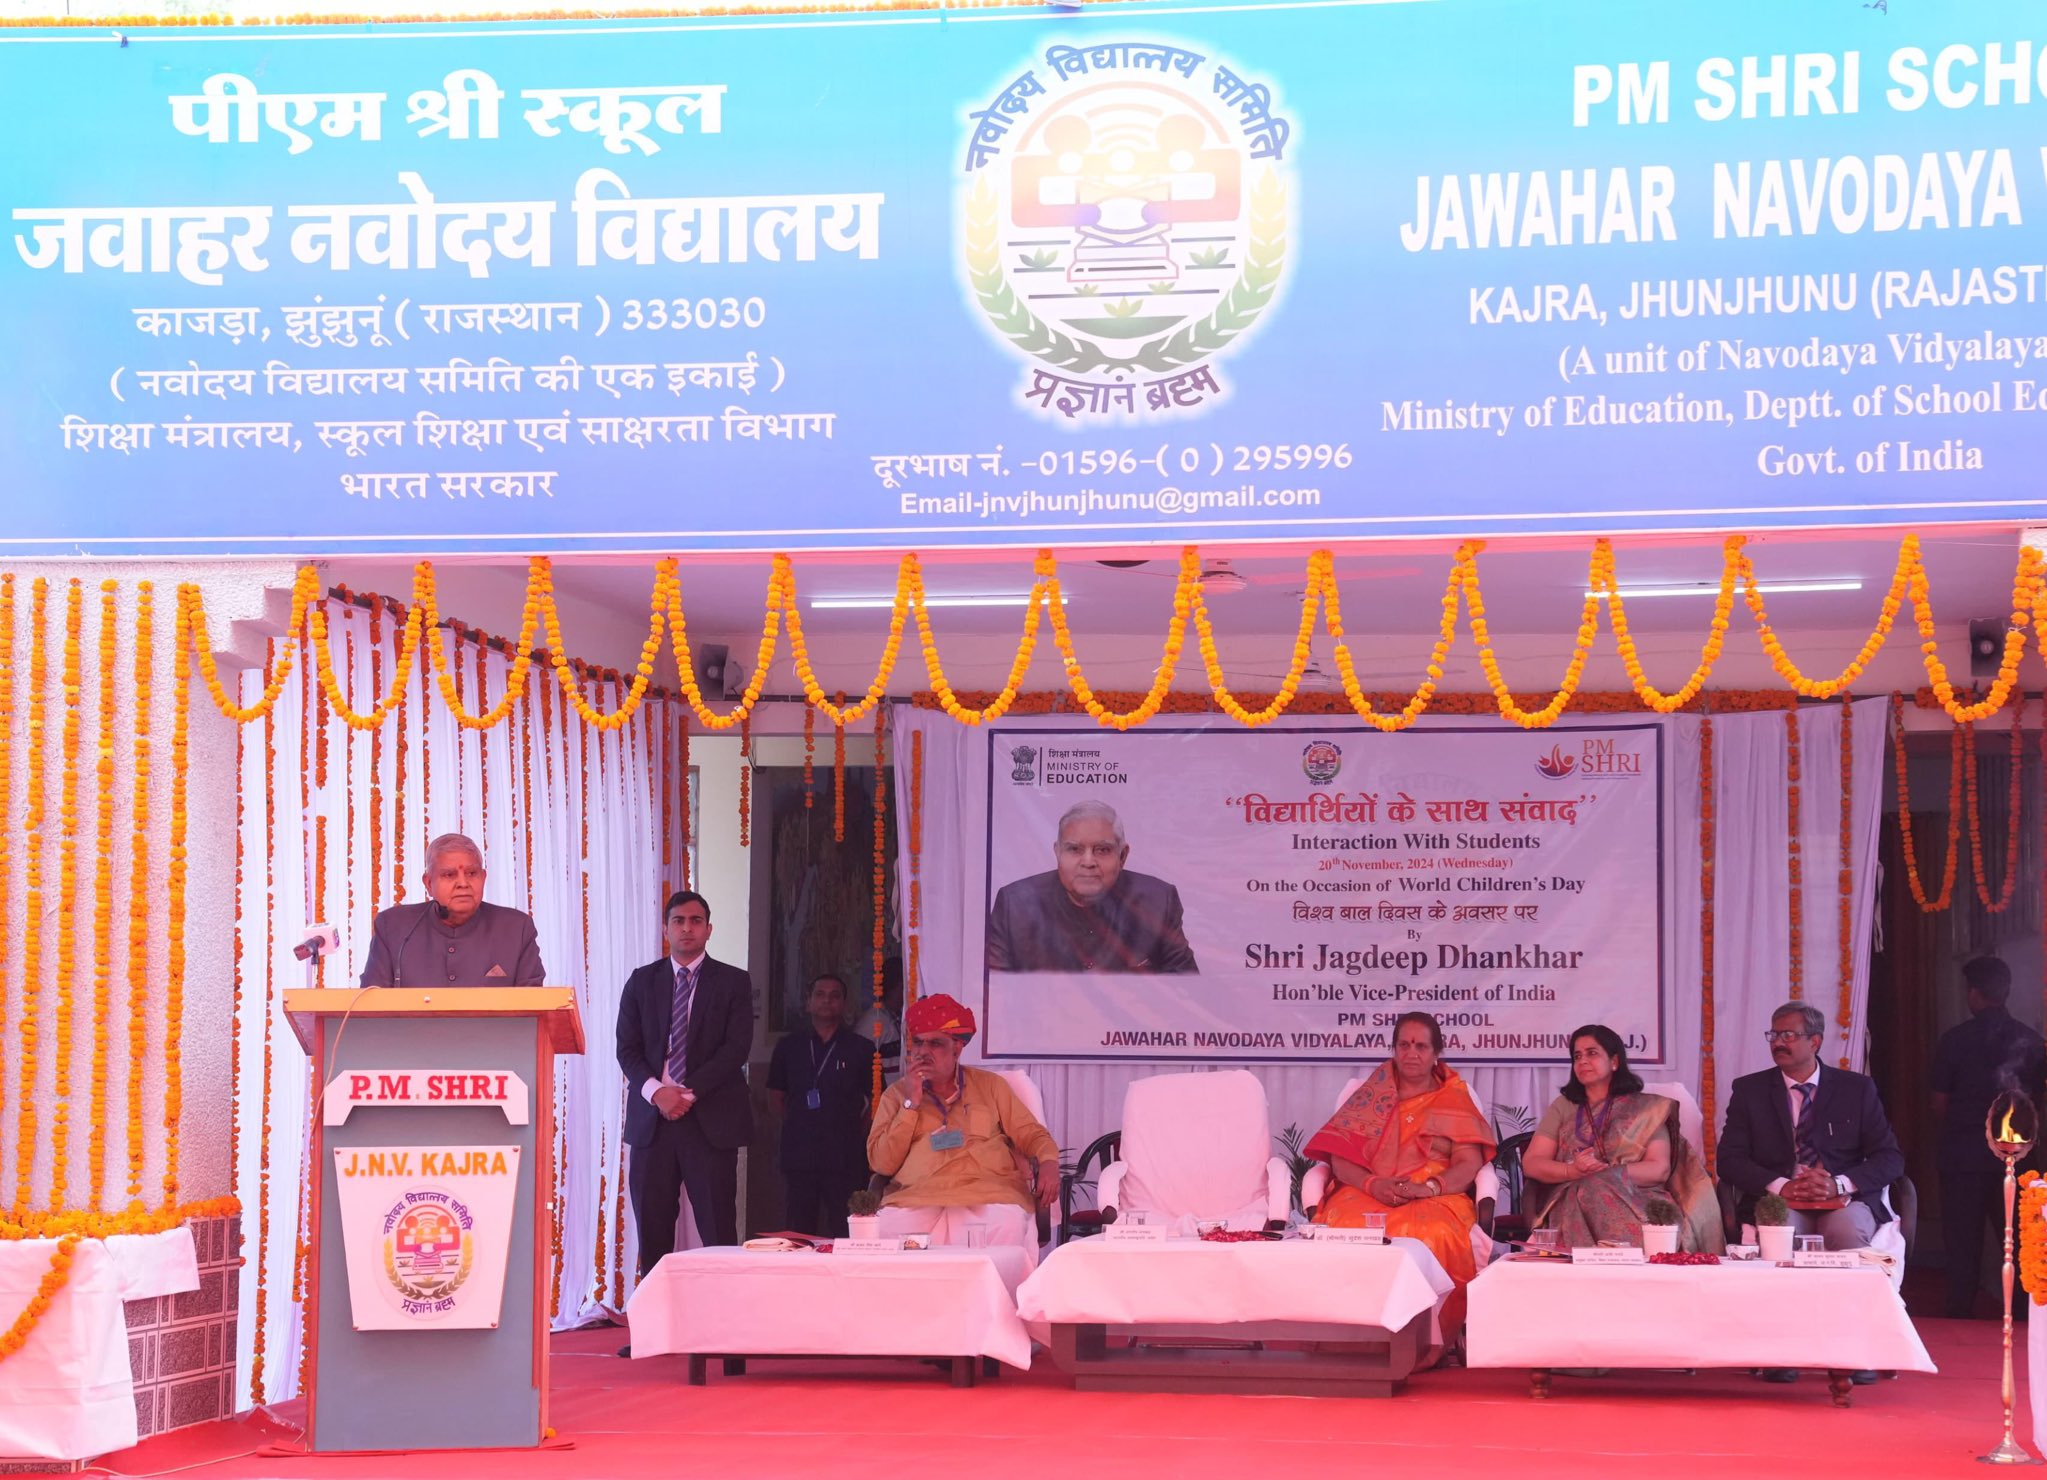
(393, 1071)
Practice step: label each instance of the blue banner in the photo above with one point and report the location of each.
(1015, 277)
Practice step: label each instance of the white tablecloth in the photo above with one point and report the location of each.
(68, 1393)
(1190, 1282)
(928, 1303)
(1551, 1314)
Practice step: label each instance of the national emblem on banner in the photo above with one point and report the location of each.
(1125, 224)
(429, 1249)
(1023, 764)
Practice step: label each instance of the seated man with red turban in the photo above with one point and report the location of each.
(955, 1141)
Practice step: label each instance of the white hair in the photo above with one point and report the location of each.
(451, 843)
(1093, 812)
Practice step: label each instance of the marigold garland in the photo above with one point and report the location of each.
(689, 836)
(1588, 629)
(1954, 797)
(483, 741)
(257, 1391)
(234, 1038)
(174, 926)
(839, 782)
(1027, 646)
(603, 1208)
(16, 1336)
(880, 868)
(17, 1226)
(1794, 863)
(276, 673)
(103, 895)
(141, 887)
(1844, 1006)
(2028, 595)
(1708, 837)
(1186, 601)
(746, 780)
(32, 882)
(2032, 1230)
(539, 601)
(67, 896)
(1412, 708)
(1605, 578)
(909, 586)
(781, 595)
(6, 811)
(376, 757)
(1973, 812)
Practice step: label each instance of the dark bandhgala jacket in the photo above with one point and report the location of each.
(1135, 926)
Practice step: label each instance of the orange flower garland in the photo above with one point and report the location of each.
(258, 1393)
(1186, 599)
(174, 928)
(781, 588)
(67, 897)
(1954, 797)
(1707, 841)
(1189, 591)
(603, 1208)
(1588, 629)
(1844, 1007)
(6, 810)
(32, 879)
(103, 898)
(880, 866)
(539, 599)
(408, 648)
(688, 809)
(234, 1031)
(809, 756)
(839, 782)
(909, 582)
(1998, 904)
(16, 1336)
(2028, 595)
(1794, 859)
(1901, 578)
(1446, 633)
(998, 703)
(276, 674)
(2032, 1231)
(1605, 578)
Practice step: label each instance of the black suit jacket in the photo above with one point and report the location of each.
(1137, 926)
(720, 1038)
(1849, 1131)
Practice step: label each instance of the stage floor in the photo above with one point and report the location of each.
(893, 1420)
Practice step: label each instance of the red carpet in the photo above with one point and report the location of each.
(891, 1420)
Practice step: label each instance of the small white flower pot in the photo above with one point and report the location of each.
(868, 1227)
(1775, 1242)
(1659, 1238)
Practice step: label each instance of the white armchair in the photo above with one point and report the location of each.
(1485, 1188)
(1198, 1146)
(1026, 1091)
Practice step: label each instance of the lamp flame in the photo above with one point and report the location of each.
(2006, 1131)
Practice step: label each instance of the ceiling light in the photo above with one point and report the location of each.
(1767, 588)
(971, 598)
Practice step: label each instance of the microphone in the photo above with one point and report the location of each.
(398, 957)
(321, 940)
(441, 910)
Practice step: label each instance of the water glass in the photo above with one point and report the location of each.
(1542, 1240)
(1375, 1224)
(1810, 1243)
(977, 1235)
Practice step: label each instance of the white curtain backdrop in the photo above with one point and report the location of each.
(1752, 934)
(542, 786)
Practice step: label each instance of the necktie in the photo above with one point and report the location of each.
(1808, 1155)
(678, 1023)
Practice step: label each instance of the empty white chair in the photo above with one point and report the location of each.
(1198, 1146)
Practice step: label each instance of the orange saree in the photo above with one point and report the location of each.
(1411, 1139)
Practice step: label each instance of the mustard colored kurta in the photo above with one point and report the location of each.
(979, 1171)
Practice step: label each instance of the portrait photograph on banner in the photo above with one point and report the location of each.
(1188, 891)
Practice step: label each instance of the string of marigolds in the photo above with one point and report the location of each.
(141, 890)
(6, 810)
(1907, 845)
(1794, 860)
(102, 894)
(2032, 1223)
(1707, 841)
(1464, 588)
(880, 874)
(1844, 1006)
(2001, 901)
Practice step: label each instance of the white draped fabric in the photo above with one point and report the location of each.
(1752, 921)
(570, 821)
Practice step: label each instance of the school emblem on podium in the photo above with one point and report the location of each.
(1126, 214)
(429, 1249)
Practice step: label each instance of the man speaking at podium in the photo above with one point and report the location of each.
(454, 939)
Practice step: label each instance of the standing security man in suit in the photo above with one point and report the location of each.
(685, 1028)
(1810, 1135)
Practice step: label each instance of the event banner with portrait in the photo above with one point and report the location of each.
(1220, 894)
(1045, 274)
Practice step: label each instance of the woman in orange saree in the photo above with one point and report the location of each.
(1408, 1144)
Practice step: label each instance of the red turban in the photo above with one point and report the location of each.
(939, 1014)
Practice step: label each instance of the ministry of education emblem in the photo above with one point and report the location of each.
(1125, 224)
(429, 1249)
(1023, 767)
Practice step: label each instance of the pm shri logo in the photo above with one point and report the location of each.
(429, 1249)
(1125, 225)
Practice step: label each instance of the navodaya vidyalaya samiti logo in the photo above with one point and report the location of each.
(1125, 224)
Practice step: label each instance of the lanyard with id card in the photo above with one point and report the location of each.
(814, 1100)
(948, 1137)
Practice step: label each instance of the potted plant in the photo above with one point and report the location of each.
(863, 1214)
(1773, 1227)
(1659, 1227)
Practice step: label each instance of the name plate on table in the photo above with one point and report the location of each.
(867, 1246)
(1828, 1259)
(1608, 1256)
(1135, 1233)
(1373, 1236)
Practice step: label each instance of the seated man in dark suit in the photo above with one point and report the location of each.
(1811, 1135)
(1090, 913)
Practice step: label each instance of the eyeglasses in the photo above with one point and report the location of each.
(1786, 1035)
